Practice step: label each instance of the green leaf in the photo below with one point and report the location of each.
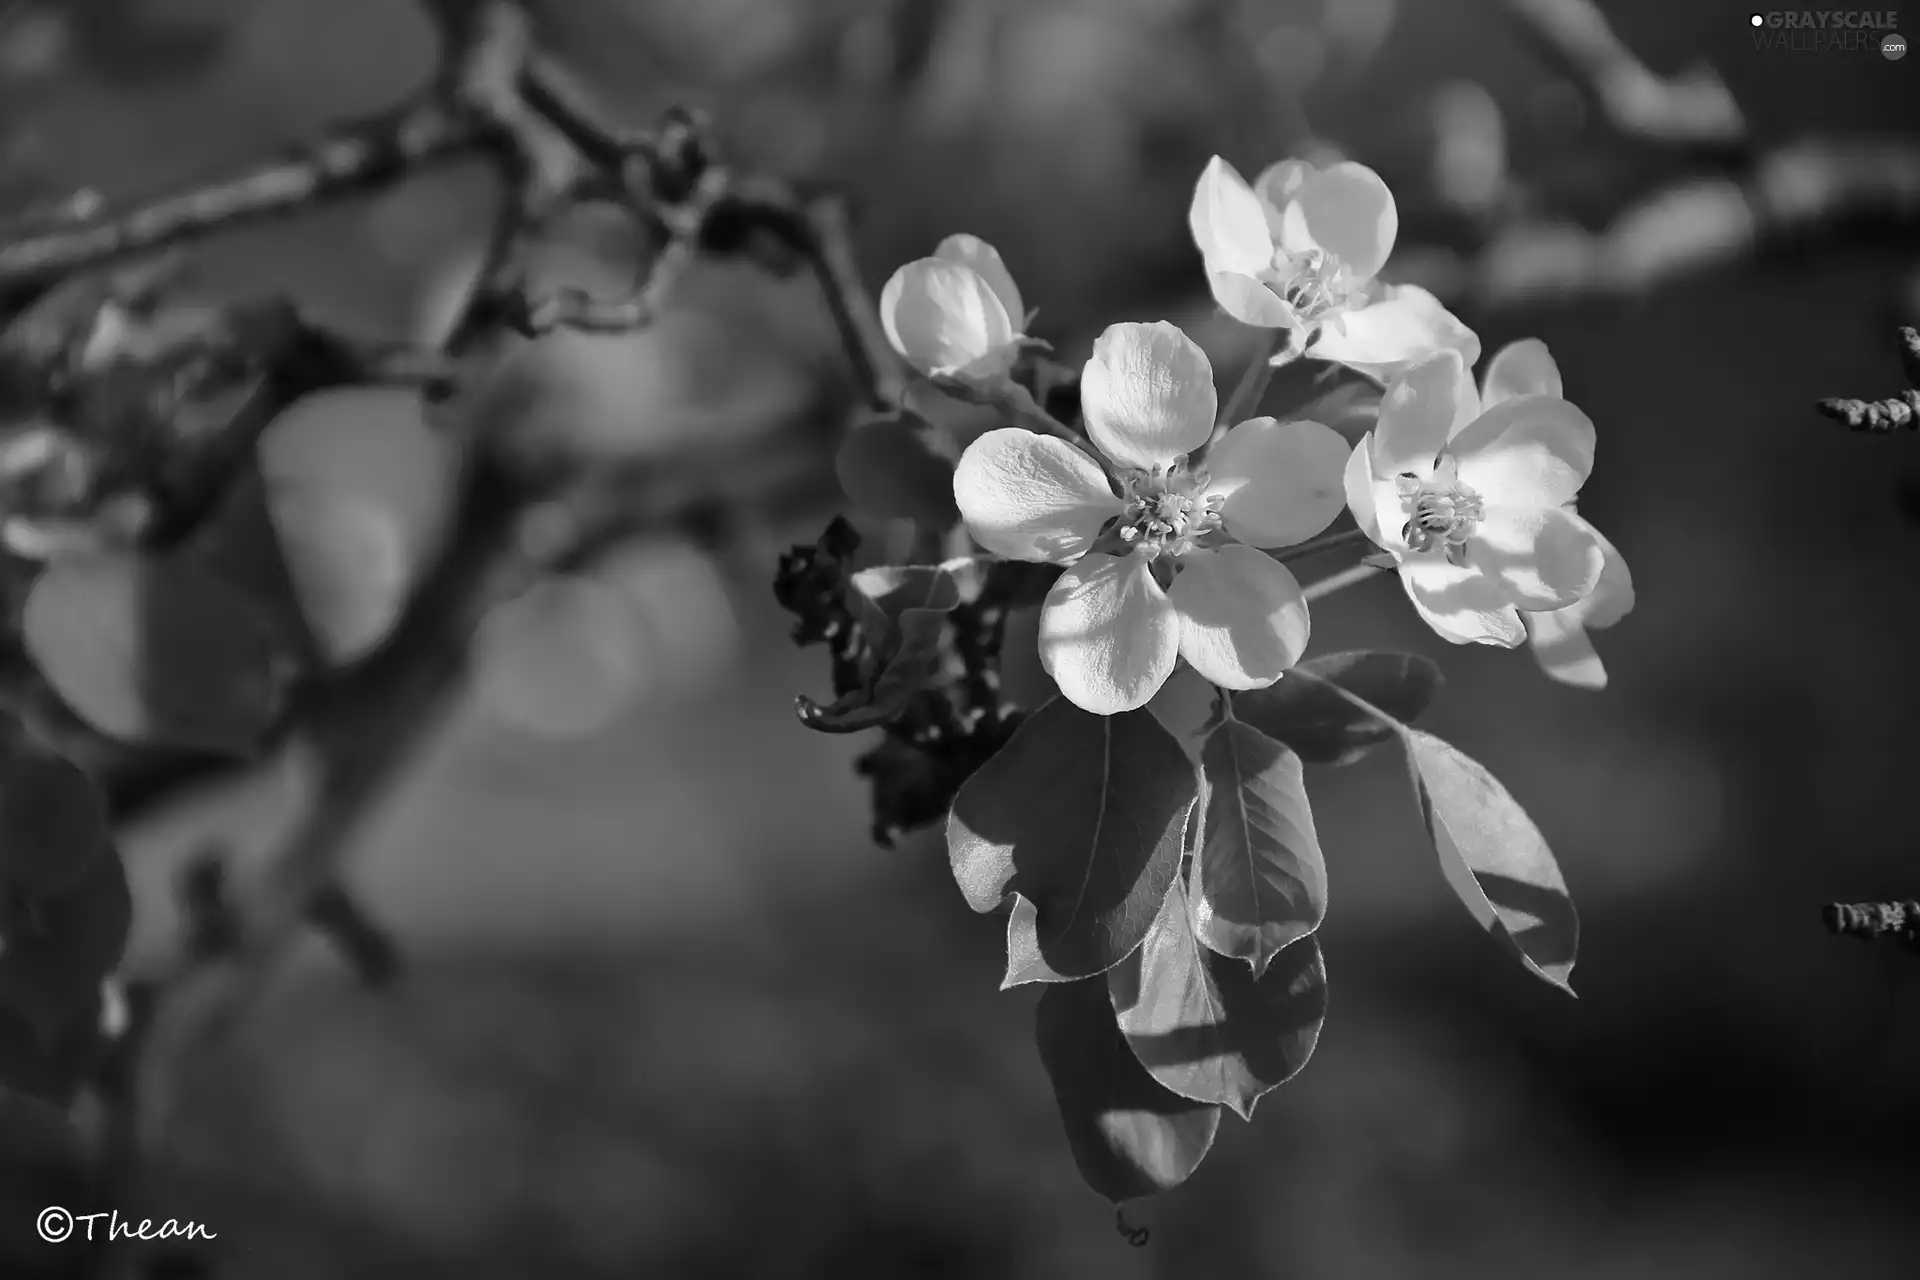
(53, 820)
(1024, 962)
(1260, 881)
(157, 651)
(1082, 815)
(1204, 1026)
(1495, 858)
(1129, 1136)
(900, 466)
(1325, 727)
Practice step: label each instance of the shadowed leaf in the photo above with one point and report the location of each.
(1324, 727)
(1129, 1136)
(1495, 858)
(1260, 881)
(1083, 816)
(900, 466)
(1204, 1026)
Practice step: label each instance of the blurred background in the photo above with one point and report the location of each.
(669, 1012)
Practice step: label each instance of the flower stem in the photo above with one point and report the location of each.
(1339, 581)
(1314, 546)
(1253, 383)
(1015, 401)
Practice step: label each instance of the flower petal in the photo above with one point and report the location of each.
(1346, 210)
(1251, 302)
(972, 251)
(1147, 394)
(1520, 368)
(1108, 635)
(1276, 186)
(1416, 412)
(1542, 557)
(1359, 483)
(1529, 451)
(1032, 497)
(944, 318)
(1243, 618)
(1282, 480)
(1561, 647)
(1403, 324)
(1612, 597)
(1460, 603)
(1228, 222)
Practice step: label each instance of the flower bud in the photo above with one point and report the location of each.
(955, 314)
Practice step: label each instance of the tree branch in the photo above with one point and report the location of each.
(351, 158)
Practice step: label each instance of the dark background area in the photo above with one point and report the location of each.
(670, 1013)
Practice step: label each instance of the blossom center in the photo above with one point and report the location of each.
(1441, 513)
(1313, 283)
(1168, 512)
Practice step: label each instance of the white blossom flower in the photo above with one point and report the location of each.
(1475, 507)
(957, 314)
(1300, 249)
(1163, 560)
(1558, 637)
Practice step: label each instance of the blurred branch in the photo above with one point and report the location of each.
(494, 96)
(1803, 196)
(353, 157)
(1693, 109)
(1875, 921)
(1902, 409)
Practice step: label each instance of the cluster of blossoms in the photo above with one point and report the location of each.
(1167, 522)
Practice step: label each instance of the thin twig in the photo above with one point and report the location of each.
(1340, 581)
(1326, 542)
(1261, 364)
(350, 158)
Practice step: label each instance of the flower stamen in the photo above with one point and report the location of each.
(1168, 512)
(1441, 513)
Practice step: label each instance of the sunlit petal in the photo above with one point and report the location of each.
(1416, 411)
(1147, 394)
(943, 317)
(1228, 223)
(1520, 368)
(1348, 211)
(1561, 647)
(984, 259)
(1251, 302)
(1282, 481)
(1543, 557)
(1402, 325)
(1108, 635)
(1031, 497)
(1528, 451)
(1460, 603)
(1243, 618)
